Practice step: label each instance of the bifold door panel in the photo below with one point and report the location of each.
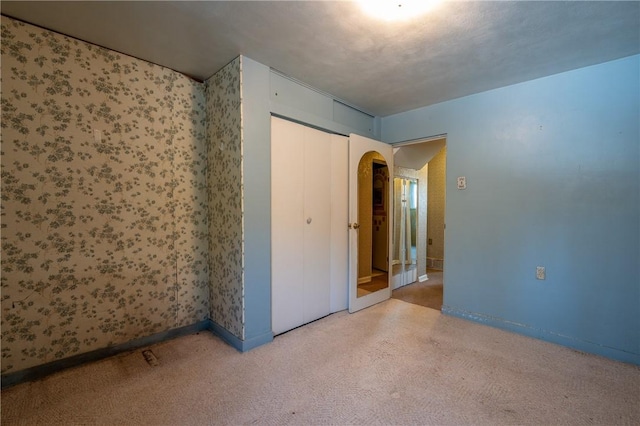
(303, 206)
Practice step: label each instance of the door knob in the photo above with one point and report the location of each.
(354, 226)
(309, 220)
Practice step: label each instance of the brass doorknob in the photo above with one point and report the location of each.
(354, 226)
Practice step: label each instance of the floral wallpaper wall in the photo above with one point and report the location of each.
(104, 200)
(225, 198)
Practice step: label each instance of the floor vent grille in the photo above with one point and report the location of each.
(151, 358)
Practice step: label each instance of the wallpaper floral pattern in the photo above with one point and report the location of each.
(225, 198)
(104, 198)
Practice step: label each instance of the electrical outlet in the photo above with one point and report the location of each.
(541, 273)
(462, 182)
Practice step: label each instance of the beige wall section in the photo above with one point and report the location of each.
(435, 215)
(421, 247)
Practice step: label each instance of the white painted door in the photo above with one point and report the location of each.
(368, 158)
(287, 230)
(316, 223)
(308, 224)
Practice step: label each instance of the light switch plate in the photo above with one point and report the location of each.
(462, 182)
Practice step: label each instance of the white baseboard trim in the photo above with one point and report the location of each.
(423, 278)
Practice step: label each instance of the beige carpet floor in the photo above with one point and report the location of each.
(428, 293)
(394, 363)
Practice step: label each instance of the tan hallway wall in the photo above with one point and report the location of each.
(436, 205)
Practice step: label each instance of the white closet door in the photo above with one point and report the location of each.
(317, 223)
(339, 223)
(287, 229)
(309, 218)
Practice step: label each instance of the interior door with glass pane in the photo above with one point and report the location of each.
(370, 221)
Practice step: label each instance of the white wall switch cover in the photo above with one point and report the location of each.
(541, 273)
(462, 182)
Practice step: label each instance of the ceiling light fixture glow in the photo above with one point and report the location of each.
(398, 10)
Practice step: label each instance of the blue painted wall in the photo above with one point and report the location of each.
(264, 93)
(294, 100)
(256, 151)
(553, 179)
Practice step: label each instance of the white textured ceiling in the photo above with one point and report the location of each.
(458, 49)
